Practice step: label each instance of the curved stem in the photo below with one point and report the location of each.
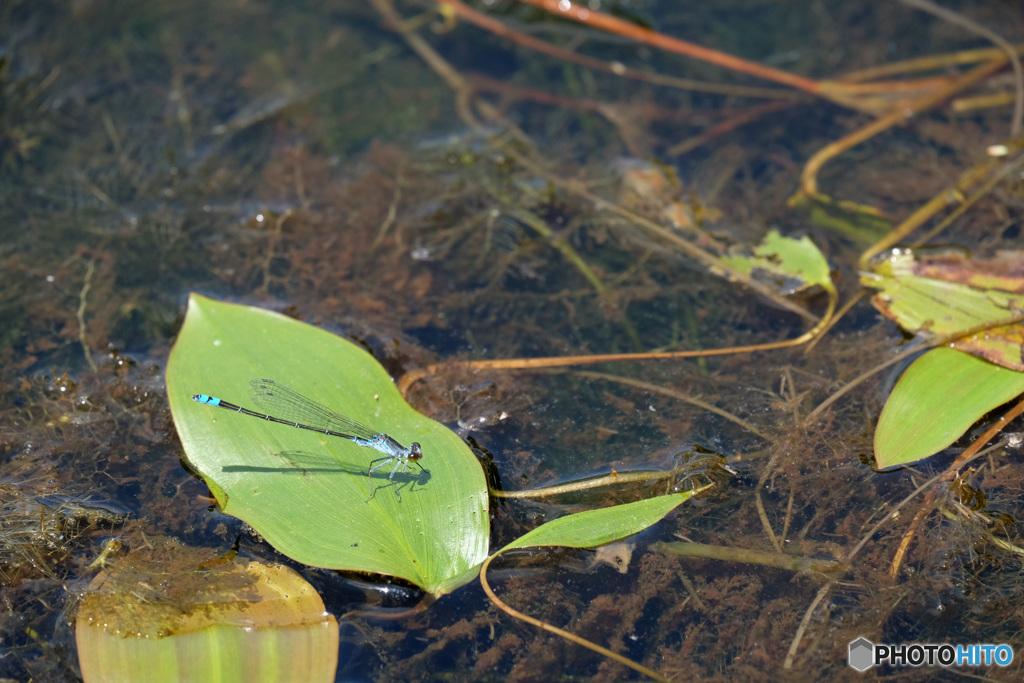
(409, 378)
(809, 177)
(559, 632)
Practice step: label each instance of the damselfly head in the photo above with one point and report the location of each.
(414, 451)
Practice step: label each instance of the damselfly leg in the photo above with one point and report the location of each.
(381, 462)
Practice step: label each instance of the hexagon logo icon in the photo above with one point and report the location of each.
(862, 654)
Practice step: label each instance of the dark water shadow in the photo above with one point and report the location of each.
(304, 463)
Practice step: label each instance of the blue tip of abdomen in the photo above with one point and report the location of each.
(204, 398)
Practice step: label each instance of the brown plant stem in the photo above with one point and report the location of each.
(492, 25)
(809, 177)
(1004, 45)
(463, 90)
(605, 22)
(730, 124)
(413, 376)
(902, 355)
(559, 632)
(926, 63)
(983, 173)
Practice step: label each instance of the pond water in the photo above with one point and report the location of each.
(442, 194)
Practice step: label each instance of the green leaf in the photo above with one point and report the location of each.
(597, 527)
(791, 265)
(937, 399)
(305, 492)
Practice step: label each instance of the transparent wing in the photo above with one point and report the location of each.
(280, 401)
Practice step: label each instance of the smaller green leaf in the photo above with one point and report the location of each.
(597, 527)
(792, 265)
(938, 398)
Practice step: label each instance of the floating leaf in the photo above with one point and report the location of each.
(596, 527)
(936, 400)
(945, 295)
(791, 265)
(305, 492)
